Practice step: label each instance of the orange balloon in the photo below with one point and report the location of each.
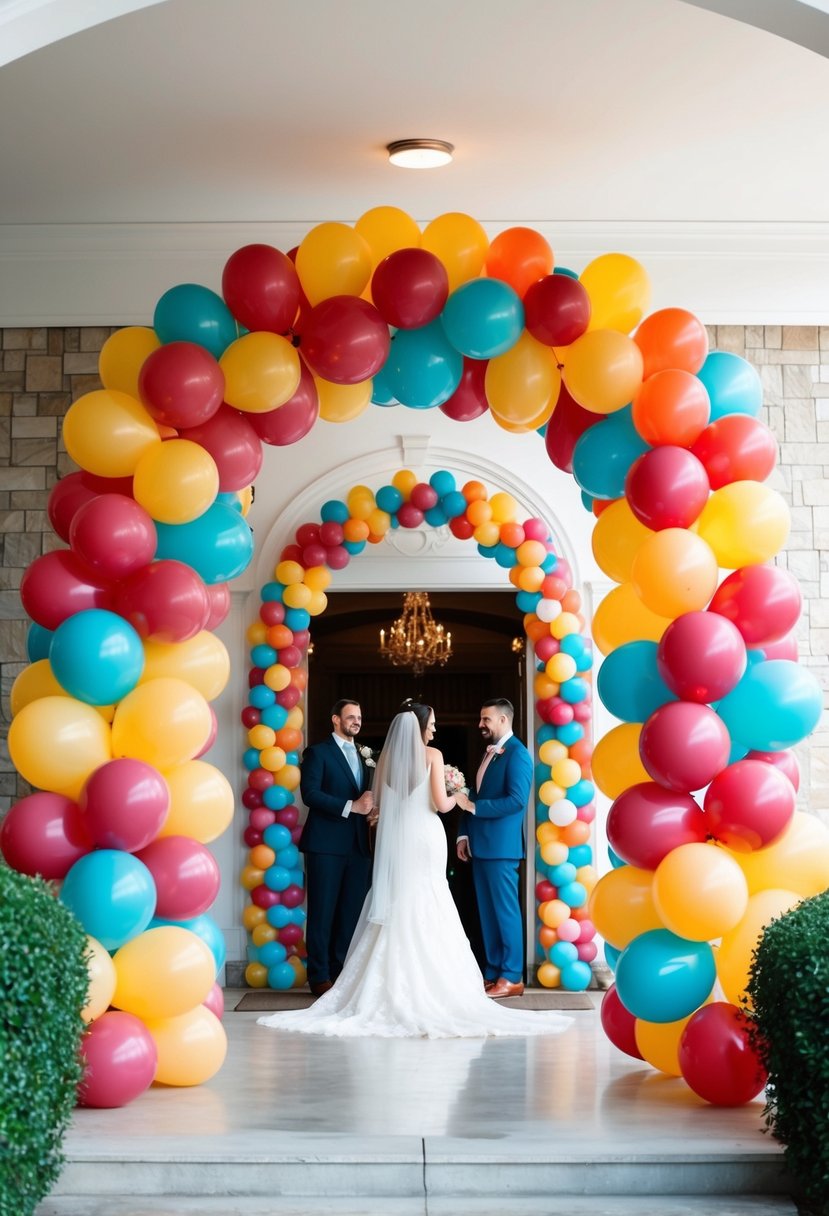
(675, 571)
(672, 406)
(519, 256)
(577, 832)
(622, 617)
(602, 370)
(473, 491)
(672, 339)
(621, 905)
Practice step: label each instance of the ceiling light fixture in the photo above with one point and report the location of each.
(420, 153)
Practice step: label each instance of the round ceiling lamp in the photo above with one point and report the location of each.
(420, 153)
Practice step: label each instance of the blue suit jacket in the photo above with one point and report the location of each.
(496, 830)
(326, 784)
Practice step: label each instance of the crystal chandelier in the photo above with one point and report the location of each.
(415, 640)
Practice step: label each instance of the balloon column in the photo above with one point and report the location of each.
(273, 716)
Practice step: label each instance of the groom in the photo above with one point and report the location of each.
(492, 836)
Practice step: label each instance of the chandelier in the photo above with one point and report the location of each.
(415, 639)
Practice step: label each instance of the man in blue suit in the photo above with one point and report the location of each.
(492, 836)
(335, 786)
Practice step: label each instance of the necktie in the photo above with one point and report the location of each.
(492, 748)
(353, 763)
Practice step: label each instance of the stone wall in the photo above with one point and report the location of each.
(43, 370)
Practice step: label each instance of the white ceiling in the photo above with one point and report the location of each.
(564, 112)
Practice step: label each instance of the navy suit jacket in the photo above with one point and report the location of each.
(326, 784)
(496, 830)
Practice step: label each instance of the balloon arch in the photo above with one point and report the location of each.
(700, 663)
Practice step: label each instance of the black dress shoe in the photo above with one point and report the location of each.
(321, 987)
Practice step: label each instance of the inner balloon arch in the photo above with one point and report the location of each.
(663, 439)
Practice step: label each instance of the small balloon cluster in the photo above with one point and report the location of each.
(273, 717)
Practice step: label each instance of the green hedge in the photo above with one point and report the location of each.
(43, 987)
(789, 991)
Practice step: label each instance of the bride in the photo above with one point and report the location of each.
(410, 972)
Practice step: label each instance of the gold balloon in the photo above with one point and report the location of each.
(675, 571)
(163, 972)
(55, 743)
(176, 481)
(699, 891)
(201, 802)
(619, 290)
(202, 661)
(333, 260)
(622, 617)
(797, 861)
(163, 722)
(603, 370)
(191, 1047)
(617, 537)
(616, 763)
(520, 384)
(738, 945)
(621, 905)
(102, 979)
(107, 432)
(122, 357)
(262, 372)
(461, 244)
(746, 523)
(658, 1043)
(387, 229)
(343, 402)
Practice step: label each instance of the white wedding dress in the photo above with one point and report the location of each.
(410, 972)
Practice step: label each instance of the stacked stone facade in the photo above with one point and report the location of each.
(43, 370)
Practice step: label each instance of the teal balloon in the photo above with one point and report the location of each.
(454, 504)
(605, 452)
(218, 545)
(203, 926)
(389, 498)
(576, 977)
(423, 368)
(483, 318)
(96, 656)
(334, 511)
(112, 894)
(192, 313)
(571, 274)
(282, 977)
(661, 977)
(381, 393)
(38, 639)
(776, 704)
(443, 483)
(629, 682)
(732, 383)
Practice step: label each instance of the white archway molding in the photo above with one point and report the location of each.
(28, 25)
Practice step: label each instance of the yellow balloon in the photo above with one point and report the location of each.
(202, 661)
(549, 976)
(163, 972)
(277, 676)
(622, 617)
(675, 571)
(379, 522)
(333, 260)
(621, 905)
(798, 861)
(191, 1047)
(34, 682)
(699, 891)
(566, 773)
(520, 383)
(317, 603)
(122, 357)
(55, 743)
(176, 481)
(107, 432)
(297, 596)
(256, 633)
(387, 229)
(487, 533)
(289, 572)
(658, 1043)
(318, 578)
(164, 722)
(616, 763)
(737, 947)
(603, 370)
(101, 980)
(288, 777)
(619, 290)
(551, 751)
(617, 538)
(405, 481)
(245, 497)
(261, 371)
(343, 402)
(746, 523)
(461, 244)
(561, 667)
(201, 802)
(272, 759)
(256, 976)
(554, 852)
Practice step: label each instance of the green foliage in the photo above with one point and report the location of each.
(43, 986)
(789, 991)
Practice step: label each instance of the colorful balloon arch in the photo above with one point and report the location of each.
(113, 714)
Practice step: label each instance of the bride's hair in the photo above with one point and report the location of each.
(401, 771)
(420, 711)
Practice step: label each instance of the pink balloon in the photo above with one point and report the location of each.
(181, 384)
(261, 817)
(186, 876)
(214, 732)
(764, 603)
(234, 444)
(568, 930)
(113, 534)
(556, 310)
(337, 557)
(218, 598)
(701, 656)
(409, 515)
(166, 601)
(469, 399)
(124, 804)
(536, 529)
(58, 584)
(647, 821)
(717, 1057)
(666, 487)
(587, 931)
(783, 648)
(345, 340)
(619, 1024)
(290, 935)
(410, 288)
(261, 288)
(215, 1001)
(120, 1058)
(546, 647)
(587, 951)
(293, 420)
(423, 496)
(749, 805)
(785, 761)
(684, 745)
(44, 834)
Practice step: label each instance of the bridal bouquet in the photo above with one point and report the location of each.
(453, 779)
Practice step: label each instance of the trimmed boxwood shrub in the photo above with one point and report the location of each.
(43, 986)
(789, 992)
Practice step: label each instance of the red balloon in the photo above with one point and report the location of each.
(683, 745)
(783, 648)
(120, 1056)
(166, 601)
(289, 697)
(288, 816)
(785, 761)
(261, 818)
(544, 890)
(717, 1058)
(70, 493)
(218, 598)
(423, 496)
(409, 515)
(666, 487)
(314, 555)
(251, 799)
(701, 656)
(647, 821)
(250, 717)
(619, 1024)
(764, 603)
(749, 805)
(261, 288)
(557, 310)
(469, 399)
(212, 736)
(234, 445)
(290, 935)
(113, 534)
(271, 612)
(409, 288)
(345, 340)
(181, 384)
(308, 534)
(44, 834)
(461, 527)
(736, 447)
(264, 897)
(58, 584)
(293, 896)
(124, 804)
(337, 557)
(569, 420)
(293, 420)
(186, 876)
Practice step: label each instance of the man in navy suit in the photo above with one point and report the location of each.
(335, 785)
(492, 836)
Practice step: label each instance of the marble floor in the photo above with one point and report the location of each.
(294, 1123)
